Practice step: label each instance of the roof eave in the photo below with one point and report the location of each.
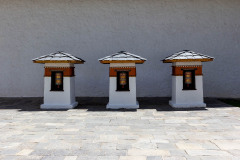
(59, 61)
(122, 61)
(188, 60)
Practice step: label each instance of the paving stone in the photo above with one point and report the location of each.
(70, 158)
(219, 158)
(228, 144)
(108, 146)
(132, 158)
(154, 158)
(11, 151)
(53, 158)
(9, 157)
(107, 158)
(112, 152)
(123, 146)
(164, 141)
(207, 153)
(29, 157)
(234, 152)
(188, 157)
(87, 158)
(177, 152)
(167, 146)
(144, 145)
(148, 152)
(41, 152)
(174, 158)
(183, 145)
(24, 152)
(94, 133)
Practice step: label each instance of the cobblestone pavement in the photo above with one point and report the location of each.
(153, 132)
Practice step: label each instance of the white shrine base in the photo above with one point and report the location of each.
(186, 98)
(59, 99)
(59, 106)
(123, 106)
(122, 99)
(187, 105)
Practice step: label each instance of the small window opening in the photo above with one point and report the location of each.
(122, 81)
(189, 80)
(57, 81)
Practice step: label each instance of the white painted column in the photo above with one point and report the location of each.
(59, 99)
(187, 98)
(122, 99)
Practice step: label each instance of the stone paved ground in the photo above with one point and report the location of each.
(153, 132)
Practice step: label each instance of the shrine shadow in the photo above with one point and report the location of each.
(98, 104)
(24, 104)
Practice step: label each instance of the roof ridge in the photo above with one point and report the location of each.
(41, 57)
(175, 54)
(205, 55)
(125, 54)
(63, 56)
(187, 55)
(71, 56)
(136, 56)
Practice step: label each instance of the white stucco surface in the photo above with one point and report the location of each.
(186, 98)
(122, 99)
(91, 29)
(59, 99)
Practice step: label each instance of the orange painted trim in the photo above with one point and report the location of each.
(131, 70)
(67, 71)
(178, 70)
(63, 61)
(187, 60)
(122, 61)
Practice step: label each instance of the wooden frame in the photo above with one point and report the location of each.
(113, 71)
(191, 86)
(178, 70)
(55, 87)
(119, 86)
(67, 71)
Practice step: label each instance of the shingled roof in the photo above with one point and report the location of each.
(186, 56)
(122, 57)
(58, 57)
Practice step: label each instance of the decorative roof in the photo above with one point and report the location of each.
(58, 57)
(186, 56)
(122, 57)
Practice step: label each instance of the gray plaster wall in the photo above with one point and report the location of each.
(92, 29)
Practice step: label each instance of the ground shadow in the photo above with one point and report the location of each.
(215, 103)
(98, 104)
(24, 104)
(161, 104)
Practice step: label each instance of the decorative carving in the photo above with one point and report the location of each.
(113, 71)
(178, 70)
(67, 71)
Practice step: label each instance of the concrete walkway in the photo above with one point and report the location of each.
(153, 132)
